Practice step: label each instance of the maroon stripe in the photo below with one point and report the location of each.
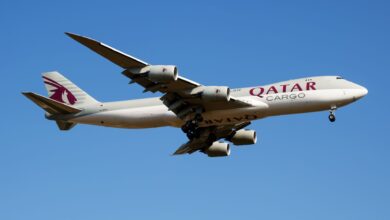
(52, 81)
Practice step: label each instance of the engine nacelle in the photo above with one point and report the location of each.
(244, 137)
(216, 93)
(218, 149)
(158, 73)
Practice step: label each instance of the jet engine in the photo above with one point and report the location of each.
(218, 149)
(244, 137)
(159, 73)
(216, 93)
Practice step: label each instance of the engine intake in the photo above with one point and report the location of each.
(216, 93)
(218, 149)
(244, 137)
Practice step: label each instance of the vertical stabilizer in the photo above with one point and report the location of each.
(63, 90)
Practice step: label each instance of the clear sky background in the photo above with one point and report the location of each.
(303, 167)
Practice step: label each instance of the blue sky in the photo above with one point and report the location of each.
(303, 167)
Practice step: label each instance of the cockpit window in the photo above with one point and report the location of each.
(339, 77)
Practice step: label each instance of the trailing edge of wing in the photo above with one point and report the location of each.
(50, 105)
(119, 58)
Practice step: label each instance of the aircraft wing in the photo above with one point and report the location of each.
(205, 140)
(181, 96)
(127, 62)
(119, 58)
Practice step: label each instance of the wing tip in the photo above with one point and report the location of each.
(81, 39)
(118, 57)
(72, 35)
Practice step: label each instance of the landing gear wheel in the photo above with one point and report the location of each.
(185, 128)
(197, 133)
(198, 118)
(191, 134)
(332, 118)
(191, 127)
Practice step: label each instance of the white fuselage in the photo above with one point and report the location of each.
(289, 97)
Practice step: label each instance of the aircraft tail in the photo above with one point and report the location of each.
(64, 98)
(53, 107)
(64, 91)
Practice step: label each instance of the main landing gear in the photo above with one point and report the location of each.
(332, 117)
(191, 127)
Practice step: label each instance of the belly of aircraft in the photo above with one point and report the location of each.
(144, 117)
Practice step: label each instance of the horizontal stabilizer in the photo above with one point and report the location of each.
(49, 105)
(119, 58)
(65, 126)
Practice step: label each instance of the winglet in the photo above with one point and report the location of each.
(119, 58)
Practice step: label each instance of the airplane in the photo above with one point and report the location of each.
(206, 114)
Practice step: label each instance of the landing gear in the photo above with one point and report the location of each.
(191, 127)
(332, 117)
(191, 134)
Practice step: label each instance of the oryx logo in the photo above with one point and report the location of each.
(59, 92)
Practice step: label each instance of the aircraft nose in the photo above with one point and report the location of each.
(361, 92)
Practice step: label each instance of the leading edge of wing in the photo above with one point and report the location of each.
(118, 57)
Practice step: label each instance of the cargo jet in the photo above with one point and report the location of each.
(206, 114)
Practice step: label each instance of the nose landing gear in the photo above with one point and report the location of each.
(332, 117)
